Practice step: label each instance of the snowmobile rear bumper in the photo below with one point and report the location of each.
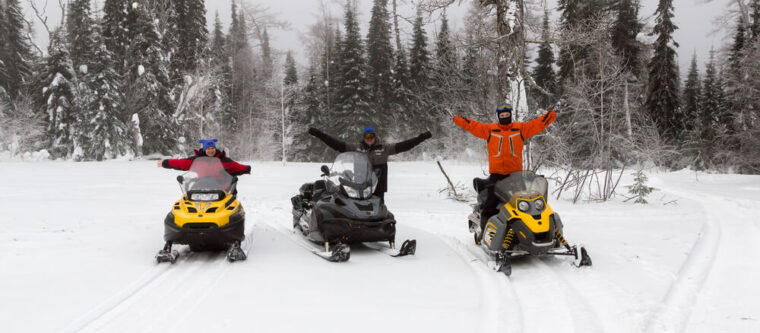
(343, 230)
(205, 234)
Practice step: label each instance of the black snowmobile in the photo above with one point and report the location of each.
(524, 225)
(208, 217)
(341, 209)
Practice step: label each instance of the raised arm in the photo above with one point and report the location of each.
(477, 129)
(177, 164)
(328, 140)
(236, 169)
(539, 124)
(403, 146)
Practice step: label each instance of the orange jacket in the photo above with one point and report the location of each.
(505, 142)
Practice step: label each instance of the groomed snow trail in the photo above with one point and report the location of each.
(729, 231)
(78, 241)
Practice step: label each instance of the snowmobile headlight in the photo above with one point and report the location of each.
(540, 205)
(367, 192)
(204, 197)
(523, 206)
(351, 192)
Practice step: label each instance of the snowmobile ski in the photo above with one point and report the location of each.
(236, 253)
(409, 247)
(338, 253)
(167, 256)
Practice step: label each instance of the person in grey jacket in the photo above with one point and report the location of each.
(376, 152)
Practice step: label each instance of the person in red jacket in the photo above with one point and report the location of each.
(208, 149)
(505, 141)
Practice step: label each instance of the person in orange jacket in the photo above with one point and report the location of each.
(505, 141)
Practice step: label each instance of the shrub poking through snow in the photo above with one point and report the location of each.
(639, 189)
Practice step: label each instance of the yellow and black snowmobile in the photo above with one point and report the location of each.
(208, 217)
(524, 225)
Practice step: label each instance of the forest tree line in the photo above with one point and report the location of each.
(148, 77)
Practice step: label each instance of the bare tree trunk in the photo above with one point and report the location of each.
(627, 109)
(511, 51)
(282, 102)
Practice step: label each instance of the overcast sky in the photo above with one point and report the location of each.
(694, 19)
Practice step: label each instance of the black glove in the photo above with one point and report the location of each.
(313, 131)
(425, 136)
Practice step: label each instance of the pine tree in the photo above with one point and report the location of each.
(755, 27)
(738, 45)
(446, 58)
(58, 96)
(193, 35)
(266, 56)
(115, 31)
(306, 147)
(639, 189)
(380, 57)
(543, 73)
(149, 85)
(17, 55)
(691, 94)
(419, 59)
(220, 62)
(291, 75)
(3, 70)
(103, 133)
(352, 95)
(712, 106)
(79, 26)
(624, 32)
(662, 97)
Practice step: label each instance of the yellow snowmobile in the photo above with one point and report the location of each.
(208, 217)
(524, 225)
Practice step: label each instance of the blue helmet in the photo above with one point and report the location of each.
(208, 143)
(368, 129)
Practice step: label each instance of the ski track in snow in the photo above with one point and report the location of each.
(584, 316)
(187, 265)
(496, 290)
(672, 315)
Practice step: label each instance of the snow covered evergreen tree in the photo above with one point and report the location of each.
(639, 189)
(624, 32)
(712, 107)
(115, 31)
(380, 59)
(103, 134)
(192, 32)
(16, 54)
(3, 70)
(543, 72)
(79, 26)
(662, 95)
(148, 87)
(58, 96)
(353, 96)
(266, 56)
(419, 57)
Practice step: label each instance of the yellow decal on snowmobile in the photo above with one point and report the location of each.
(490, 233)
(535, 225)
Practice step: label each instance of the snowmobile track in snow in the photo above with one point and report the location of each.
(496, 290)
(187, 264)
(674, 311)
(584, 317)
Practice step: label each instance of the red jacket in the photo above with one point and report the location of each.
(232, 167)
(505, 142)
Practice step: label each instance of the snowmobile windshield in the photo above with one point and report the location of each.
(522, 182)
(353, 172)
(206, 176)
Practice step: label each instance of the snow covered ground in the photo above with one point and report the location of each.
(77, 246)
